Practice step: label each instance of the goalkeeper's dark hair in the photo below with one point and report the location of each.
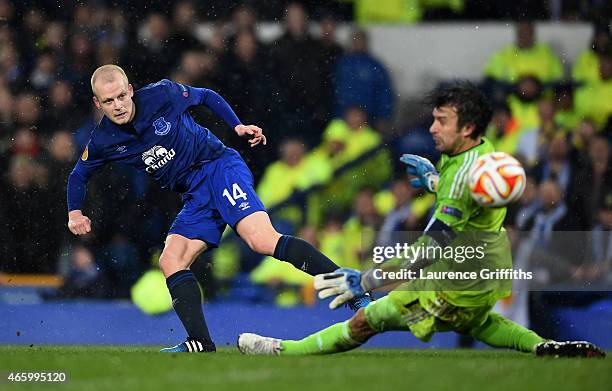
(472, 105)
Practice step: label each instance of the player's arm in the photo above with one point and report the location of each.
(192, 96)
(349, 283)
(449, 217)
(85, 167)
(437, 234)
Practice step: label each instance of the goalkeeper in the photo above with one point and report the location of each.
(461, 114)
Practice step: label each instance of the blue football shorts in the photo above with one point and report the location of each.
(221, 193)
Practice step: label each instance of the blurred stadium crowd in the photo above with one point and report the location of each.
(329, 172)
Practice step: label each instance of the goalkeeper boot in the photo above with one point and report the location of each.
(359, 302)
(569, 349)
(249, 343)
(191, 346)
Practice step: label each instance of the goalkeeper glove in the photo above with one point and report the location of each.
(343, 283)
(425, 172)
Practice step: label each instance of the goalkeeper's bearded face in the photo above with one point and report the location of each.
(444, 130)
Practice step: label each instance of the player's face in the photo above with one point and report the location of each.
(115, 100)
(447, 137)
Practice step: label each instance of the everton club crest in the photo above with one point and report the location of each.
(162, 127)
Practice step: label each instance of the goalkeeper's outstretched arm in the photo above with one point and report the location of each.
(437, 234)
(346, 283)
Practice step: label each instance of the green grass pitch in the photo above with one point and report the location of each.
(142, 368)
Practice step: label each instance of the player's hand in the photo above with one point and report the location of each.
(252, 132)
(425, 172)
(77, 223)
(344, 283)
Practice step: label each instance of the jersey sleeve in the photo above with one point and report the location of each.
(183, 97)
(91, 160)
(453, 213)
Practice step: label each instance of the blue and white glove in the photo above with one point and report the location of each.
(425, 172)
(344, 283)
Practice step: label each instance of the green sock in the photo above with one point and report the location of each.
(503, 333)
(334, 339)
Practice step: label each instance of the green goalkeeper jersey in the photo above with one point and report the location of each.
(454, 205)
(474, 225)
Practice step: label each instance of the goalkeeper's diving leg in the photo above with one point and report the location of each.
(396, 311)
(337, 338)
(498, 331)
(382, 315)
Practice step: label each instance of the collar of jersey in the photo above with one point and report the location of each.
(482, 141)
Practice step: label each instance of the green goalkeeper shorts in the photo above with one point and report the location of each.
(423, 313)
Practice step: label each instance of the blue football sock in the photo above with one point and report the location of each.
(303, 255)
(187, 302)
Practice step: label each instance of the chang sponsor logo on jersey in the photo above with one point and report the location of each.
(157, 157)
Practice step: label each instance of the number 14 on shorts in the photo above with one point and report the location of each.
(237, 193)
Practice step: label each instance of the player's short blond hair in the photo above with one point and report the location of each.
(107, 73)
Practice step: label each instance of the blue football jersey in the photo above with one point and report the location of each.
(162, 139)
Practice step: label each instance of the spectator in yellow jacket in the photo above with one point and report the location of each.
(346, 140)
(524, 103)
(359, 137)
(295, 170)
(586, 67)
(503, 131)
(566, 116)
(594, 100)
(359, 231)
(524, 57)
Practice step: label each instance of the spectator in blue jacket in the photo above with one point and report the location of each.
(362, 80)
